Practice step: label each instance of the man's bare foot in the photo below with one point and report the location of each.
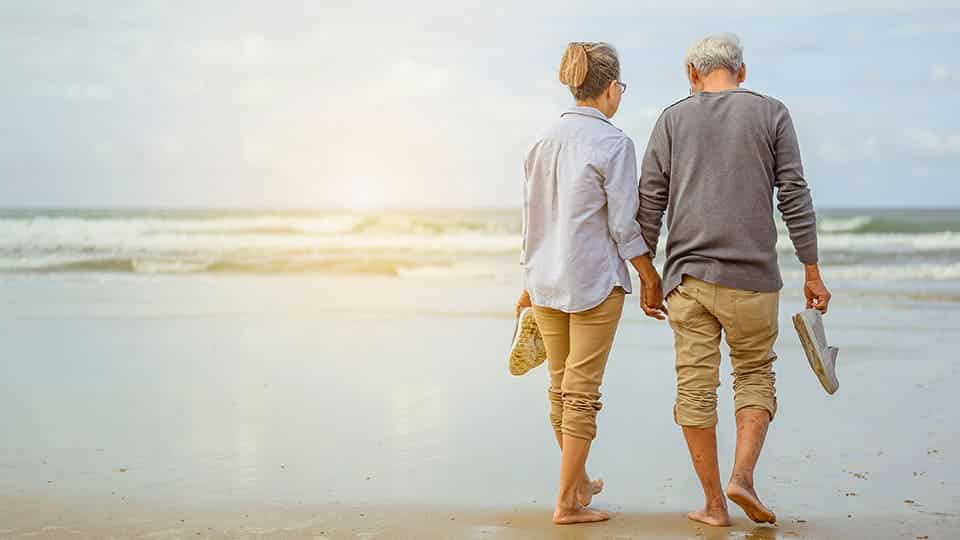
(587, 490)
(746, 498)
(569, 516)
(715, 518)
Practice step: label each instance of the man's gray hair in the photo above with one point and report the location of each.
(715, 52)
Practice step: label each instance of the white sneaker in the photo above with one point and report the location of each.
(822, 357)
(527, 351)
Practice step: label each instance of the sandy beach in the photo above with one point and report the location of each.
(259, 264)
(366, 407)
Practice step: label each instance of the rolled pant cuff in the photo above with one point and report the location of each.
(770, 407)
(579, 434)
(694, 419)
(582, 425)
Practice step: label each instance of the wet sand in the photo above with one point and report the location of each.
(351, 408)
(45, 519)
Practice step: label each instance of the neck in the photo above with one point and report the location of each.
(596, 104)
(720, 80)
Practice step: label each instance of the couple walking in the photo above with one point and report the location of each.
(714, 162)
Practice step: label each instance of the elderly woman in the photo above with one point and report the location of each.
(579, 231)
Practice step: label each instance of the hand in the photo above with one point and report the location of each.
(522, 302)
(651, 298)
(816, 293)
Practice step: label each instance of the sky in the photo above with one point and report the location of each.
(433, 103)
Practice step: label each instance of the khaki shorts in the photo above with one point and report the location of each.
(699, 313)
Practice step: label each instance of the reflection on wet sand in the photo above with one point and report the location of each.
(45, 519)
(299, 405)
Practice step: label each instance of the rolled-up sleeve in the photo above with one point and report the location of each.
(623, 202)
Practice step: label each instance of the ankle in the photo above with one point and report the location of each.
(568, 502)
(744, 479)
(716, 503)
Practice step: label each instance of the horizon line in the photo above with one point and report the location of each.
(284, 208)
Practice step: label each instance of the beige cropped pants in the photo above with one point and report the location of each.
(577, 348)
(699, 312)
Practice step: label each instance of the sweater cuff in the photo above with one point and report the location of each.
(808, 254)
(633, 248)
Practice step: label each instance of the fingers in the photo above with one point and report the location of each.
(658, 312)
(822, 300)
(653, 313)
(819, 303)
(651, 302)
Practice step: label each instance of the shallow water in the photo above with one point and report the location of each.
(376, 390)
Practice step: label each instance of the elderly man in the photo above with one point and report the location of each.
(713, 163)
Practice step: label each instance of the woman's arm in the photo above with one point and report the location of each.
(620, 185)
(623, 203)
(524, 300)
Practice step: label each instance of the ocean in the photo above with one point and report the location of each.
(908, 248)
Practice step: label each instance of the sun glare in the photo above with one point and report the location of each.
(362, 194)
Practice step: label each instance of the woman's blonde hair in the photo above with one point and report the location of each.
(588, 68)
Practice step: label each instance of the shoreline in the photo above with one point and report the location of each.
(42, 517)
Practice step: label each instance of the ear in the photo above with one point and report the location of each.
(610, 91)
(742, 74)
(692, 75)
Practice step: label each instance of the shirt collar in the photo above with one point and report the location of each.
(587, 111)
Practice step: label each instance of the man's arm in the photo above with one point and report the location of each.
(654, 184)
(796, 207)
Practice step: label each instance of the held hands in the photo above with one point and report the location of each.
(651, 291)
(651, 297)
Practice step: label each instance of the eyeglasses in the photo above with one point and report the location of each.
(623, 87)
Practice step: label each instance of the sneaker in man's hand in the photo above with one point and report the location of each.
(822, 357)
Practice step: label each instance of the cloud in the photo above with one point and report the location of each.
(429, 102)
(942, 73)
(407, 77)
(925, 29)
(87, 92)
(835, 150)
(927, 142)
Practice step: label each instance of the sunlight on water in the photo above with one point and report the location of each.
(871, 245)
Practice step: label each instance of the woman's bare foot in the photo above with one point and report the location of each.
(746, 498)
(569, 516)
(587, 490)
(716, 517)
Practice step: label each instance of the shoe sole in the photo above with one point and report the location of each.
(527, 351)
(813, 356)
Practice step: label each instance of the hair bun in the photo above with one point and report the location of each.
(574, 65)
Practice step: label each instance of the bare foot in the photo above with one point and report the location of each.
(746, 498)
(569, 516)
(715, 518)
(587, 490)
